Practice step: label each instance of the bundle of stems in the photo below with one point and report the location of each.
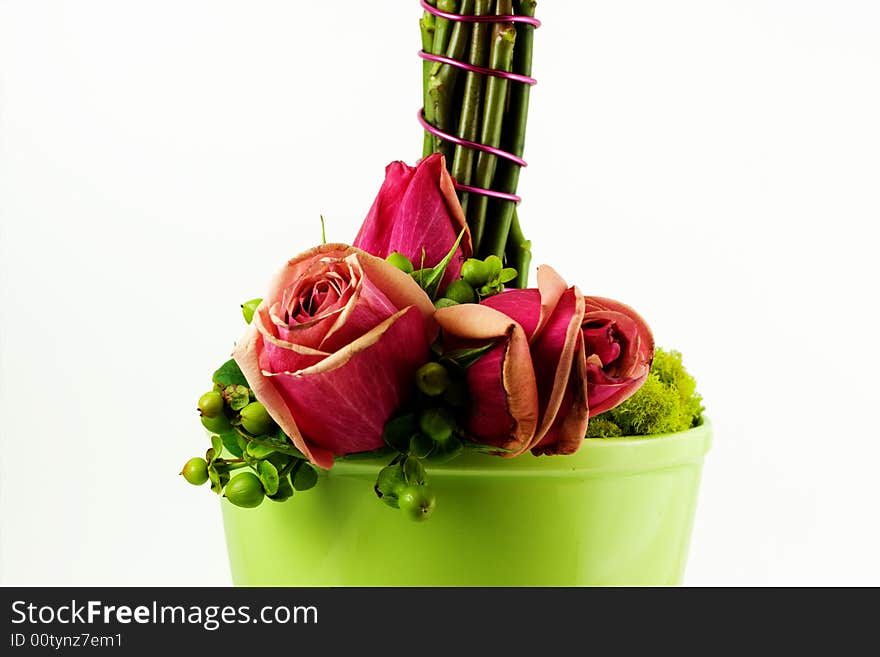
(480, 108)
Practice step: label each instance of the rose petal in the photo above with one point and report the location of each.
(553, 353)
(248, 353)
(552, 286)
(366, 308)
(522, 306)
(501, 384)
(367, 382)
(566, 435)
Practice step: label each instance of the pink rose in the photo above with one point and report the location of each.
(559, 359)
(620, 349)
(417, 212)
(530, 388)
(333, 349)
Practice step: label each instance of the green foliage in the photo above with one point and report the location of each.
(429, 279)
(244, 438)
(668, 402)
(229, 374)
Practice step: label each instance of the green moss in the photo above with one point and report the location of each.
(666, 403)
(600, 427)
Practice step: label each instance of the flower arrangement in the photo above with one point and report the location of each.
(430, 304)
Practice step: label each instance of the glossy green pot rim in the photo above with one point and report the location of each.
(597, 457)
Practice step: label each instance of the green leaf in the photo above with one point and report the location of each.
(487, 449)
(216, 484)
(237, 396)
(210, 454)
(429, 279)
(381, 453)
(230, 442)
(507, 274)
(269, 476)
(464, 358)
(283, 447)
(305, 477)
(447, 451)
(258, 451)
(217, 446)
(389, 482)
(421, 445)
(248, 308)
(414, 471)
(229, 374)
(285, 491)
(398, 431)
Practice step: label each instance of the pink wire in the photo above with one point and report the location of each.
(528, 20)
(445, 136)
(504, 196)
(516, 77)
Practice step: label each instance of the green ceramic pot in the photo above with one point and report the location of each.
(619, 512)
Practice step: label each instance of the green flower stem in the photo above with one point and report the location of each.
(469, 122)
(442, 30)
(428, 28)
(500, 58)
(446, 76)
(434, 91)
(292, 466)
(232, 464)
(519, 252)
(507, 178)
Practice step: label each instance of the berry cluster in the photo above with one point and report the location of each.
(479, 279)
(245, 436)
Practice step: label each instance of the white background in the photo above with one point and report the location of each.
(716, 164)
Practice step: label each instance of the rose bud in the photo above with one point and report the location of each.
(417, 215)
(619, 348)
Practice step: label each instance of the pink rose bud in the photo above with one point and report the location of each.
(333, 349)
(417, 212)
(619, 348)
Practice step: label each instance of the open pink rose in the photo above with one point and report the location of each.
(333, 349)
(559, 359)
(417, 212)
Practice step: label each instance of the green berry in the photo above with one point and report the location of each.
(195, 471)
(211, 404)
(245, 490)
(475, 272)
(460, 291)
(494, 267)
(256, 419)
(219, 424)
(417, 502)
(401, 262)
(437, 423)
(444, 303)
(248, 308)
(432, 379)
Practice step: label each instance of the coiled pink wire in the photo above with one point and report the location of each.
(514, 77)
